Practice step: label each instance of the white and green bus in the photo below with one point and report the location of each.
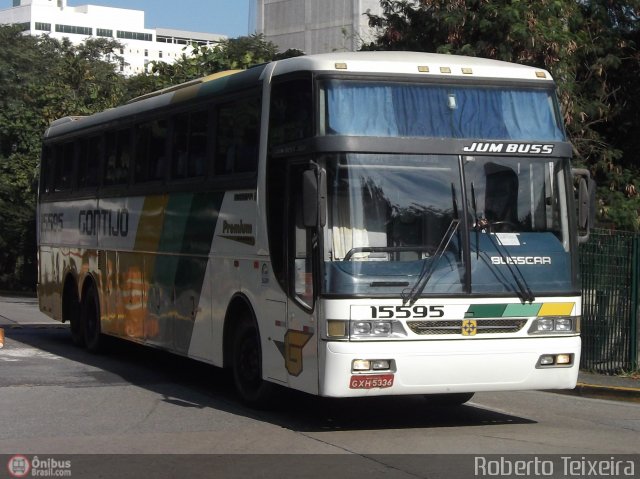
(348, 224)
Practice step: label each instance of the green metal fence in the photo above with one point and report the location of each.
(609, 269)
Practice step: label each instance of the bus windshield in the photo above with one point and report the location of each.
(390, 109)
(390, 216)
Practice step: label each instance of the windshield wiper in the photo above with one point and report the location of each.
(525, 291)
(482, 224)
(429, 266)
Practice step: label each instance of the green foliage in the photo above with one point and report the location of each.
(589, 46)
(231, 54)
(41, 79)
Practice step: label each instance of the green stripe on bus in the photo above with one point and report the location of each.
(522, 310)
(187, 235)
(485, 311)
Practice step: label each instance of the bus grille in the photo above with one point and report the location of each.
(485, 326)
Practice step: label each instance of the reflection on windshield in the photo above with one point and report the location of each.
(376, 203)
(387, 215)
(516, 194)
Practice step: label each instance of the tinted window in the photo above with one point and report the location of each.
(189, 153)
(238, 137)
(46, 167)
(89, 159)
(63, 166)
(118, 158)
(151, 156)
(290, 115)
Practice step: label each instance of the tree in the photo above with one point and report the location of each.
(589, 46)
(231, 54)
(41, 79)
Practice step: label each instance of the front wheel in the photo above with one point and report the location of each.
(247, 367)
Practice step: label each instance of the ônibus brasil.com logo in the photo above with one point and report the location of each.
(19, 466)
(22, 466)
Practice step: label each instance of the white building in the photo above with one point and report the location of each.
(141, 45)
(316, 26)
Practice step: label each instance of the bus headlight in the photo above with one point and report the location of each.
(564, 325)
(554, 325)
(361, 328)
(367, 329)
(376, 329)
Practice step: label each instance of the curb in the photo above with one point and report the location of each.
(597, 391)
(617, 392)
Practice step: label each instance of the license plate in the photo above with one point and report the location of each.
(371, 381)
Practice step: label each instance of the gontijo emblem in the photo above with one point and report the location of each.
(469, 327)
(291, 349)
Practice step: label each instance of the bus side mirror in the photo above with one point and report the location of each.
(586, 203)
(314, 196)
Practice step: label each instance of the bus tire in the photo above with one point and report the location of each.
(448, 400)
(71, 313)
(247, 366)
(90, 314)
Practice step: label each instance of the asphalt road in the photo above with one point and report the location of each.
(58, 399)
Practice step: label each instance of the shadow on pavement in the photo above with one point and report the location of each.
(187, 383)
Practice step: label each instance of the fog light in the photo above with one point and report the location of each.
(563, 359)
(361, 365)
(546, 360)
(380, 364)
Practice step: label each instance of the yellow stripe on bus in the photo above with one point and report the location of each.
(151, 222)
(556, 309)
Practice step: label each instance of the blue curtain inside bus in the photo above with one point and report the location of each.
(374, 109)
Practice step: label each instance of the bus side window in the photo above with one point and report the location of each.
(290, 116)
(189, 153)
(118, 157)
(151, 155)
(63, 166)
(89, 159)
(238, 136)
(302, 244)
(46, 166)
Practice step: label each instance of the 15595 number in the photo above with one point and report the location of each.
(417, 311)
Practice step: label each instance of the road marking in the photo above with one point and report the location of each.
(20, 354)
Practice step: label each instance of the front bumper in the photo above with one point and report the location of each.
(451, 366)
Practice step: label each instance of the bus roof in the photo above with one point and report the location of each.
(428, 64)
(218, 83)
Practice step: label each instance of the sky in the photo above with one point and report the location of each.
(226, 17)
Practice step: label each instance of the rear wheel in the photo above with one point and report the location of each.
(71, 313)
(448, 400)
(77, 331)
(247, 366)
(90, 315)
